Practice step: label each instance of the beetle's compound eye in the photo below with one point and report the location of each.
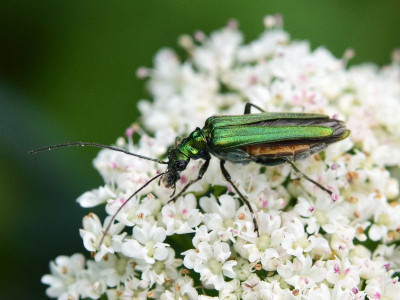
(181, 165)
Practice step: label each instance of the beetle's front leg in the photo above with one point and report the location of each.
(203, 169)
(247, 108)
(243, 198)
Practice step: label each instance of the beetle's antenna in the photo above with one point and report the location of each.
(123, 205)
(48, 148)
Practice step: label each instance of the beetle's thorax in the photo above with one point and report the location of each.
(192, 147)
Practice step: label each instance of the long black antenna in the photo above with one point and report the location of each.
(48, 148)
(122, 206)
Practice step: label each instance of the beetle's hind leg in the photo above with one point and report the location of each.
(301, 174)
(247, 108)
(243, 198)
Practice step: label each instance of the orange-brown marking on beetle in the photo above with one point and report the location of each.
(276, 150)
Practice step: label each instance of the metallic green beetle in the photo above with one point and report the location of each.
(265, 138)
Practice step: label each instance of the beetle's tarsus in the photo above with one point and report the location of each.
(247, 108)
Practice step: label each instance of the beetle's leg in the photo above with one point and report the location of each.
(243, 198)
(203, 169)
(301, 174)
(174, 191)
(247, 108)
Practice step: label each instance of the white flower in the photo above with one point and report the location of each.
(385, 287)
(325, 213)
(296, 242)
(386, 218)
(267, 45)
(133, 289)
(388, 255)
(95, 197)
(338, 292)
(203, 235)
(220, 216)
(93, 232)
(251, 287)
(217, 54)
(123, 171)
(180, 217)
(182, 288)
(112, 269)
(343, 273)
(162, 270)
(271, 236)
(303, 275)
(64, 281)
(367, 268)
(231, 290)
(93, 284)
(255, 288)
(211, 262)
(342, 240)
(146, 244)
(136, 211)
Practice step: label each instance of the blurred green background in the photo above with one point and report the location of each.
(67, 73)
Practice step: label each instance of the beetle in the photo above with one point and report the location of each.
(266, 138)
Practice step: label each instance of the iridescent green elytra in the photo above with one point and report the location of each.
(265, 138)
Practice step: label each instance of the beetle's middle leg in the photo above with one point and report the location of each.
(301, 174)
(247, 108)
(243, 198)
(203, 169)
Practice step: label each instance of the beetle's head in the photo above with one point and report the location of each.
(177, 162)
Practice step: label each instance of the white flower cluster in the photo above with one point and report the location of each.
(311, 246)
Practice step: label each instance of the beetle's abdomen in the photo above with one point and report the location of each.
(276, 151)
(290, 151)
